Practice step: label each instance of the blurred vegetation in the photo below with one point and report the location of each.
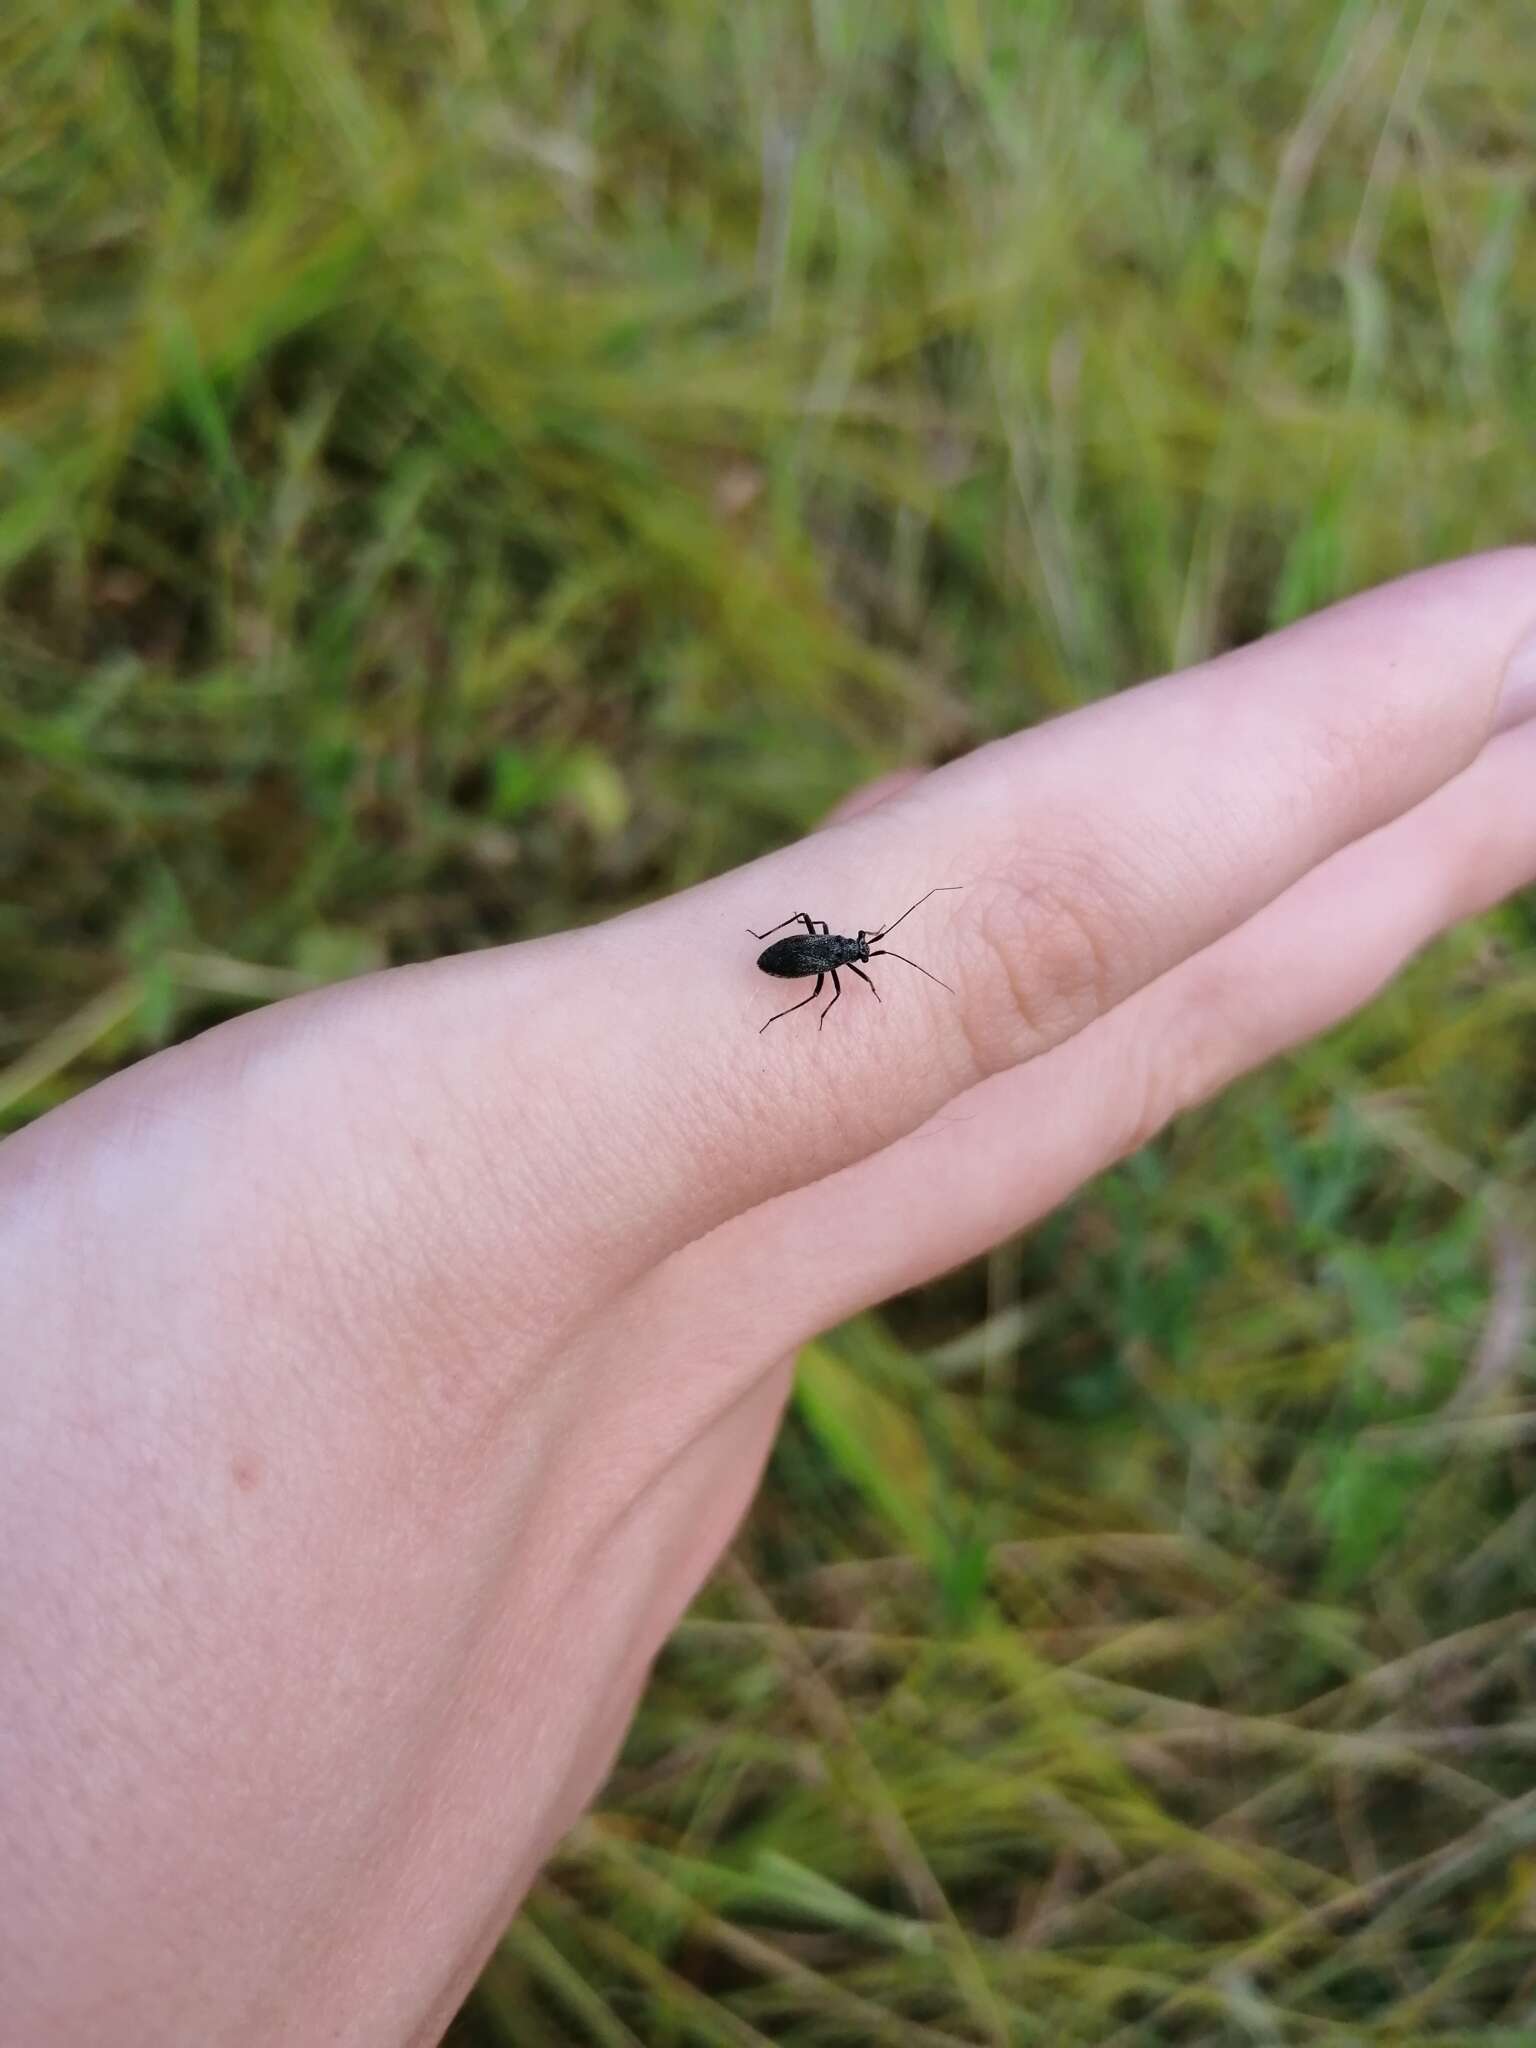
(469, 467)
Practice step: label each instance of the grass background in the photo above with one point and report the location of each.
(470, 467)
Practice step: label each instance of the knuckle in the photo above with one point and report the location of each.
(1057, 944)
(1352, 753)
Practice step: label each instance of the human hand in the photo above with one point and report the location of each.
(398, 1361)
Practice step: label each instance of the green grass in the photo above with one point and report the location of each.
(467, 468)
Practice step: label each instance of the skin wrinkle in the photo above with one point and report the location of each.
(570, 1143)
(1055, 941)
(759, 1396)
(440, 1306)
(425, 1808)
(443, 1302)
(1069, 940)
(493, 1310)
(309, 1264)
(651, 1426)
(500, 1147)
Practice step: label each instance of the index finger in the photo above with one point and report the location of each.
(1096, 852)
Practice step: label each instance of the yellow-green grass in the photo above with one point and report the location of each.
(465, 468)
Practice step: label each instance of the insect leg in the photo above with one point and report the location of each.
(815, 992)
(800, 917)
(839, 987)
(887, 953)
(863, 977)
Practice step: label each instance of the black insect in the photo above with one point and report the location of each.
(821, 951)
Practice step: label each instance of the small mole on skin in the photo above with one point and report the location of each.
(246, 1473)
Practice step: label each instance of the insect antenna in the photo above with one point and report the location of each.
(889, 953)
(939, 891)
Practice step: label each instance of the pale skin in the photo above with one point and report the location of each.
(387, 1370)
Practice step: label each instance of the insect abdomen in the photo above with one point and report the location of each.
(793, 957)
(810, 953)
